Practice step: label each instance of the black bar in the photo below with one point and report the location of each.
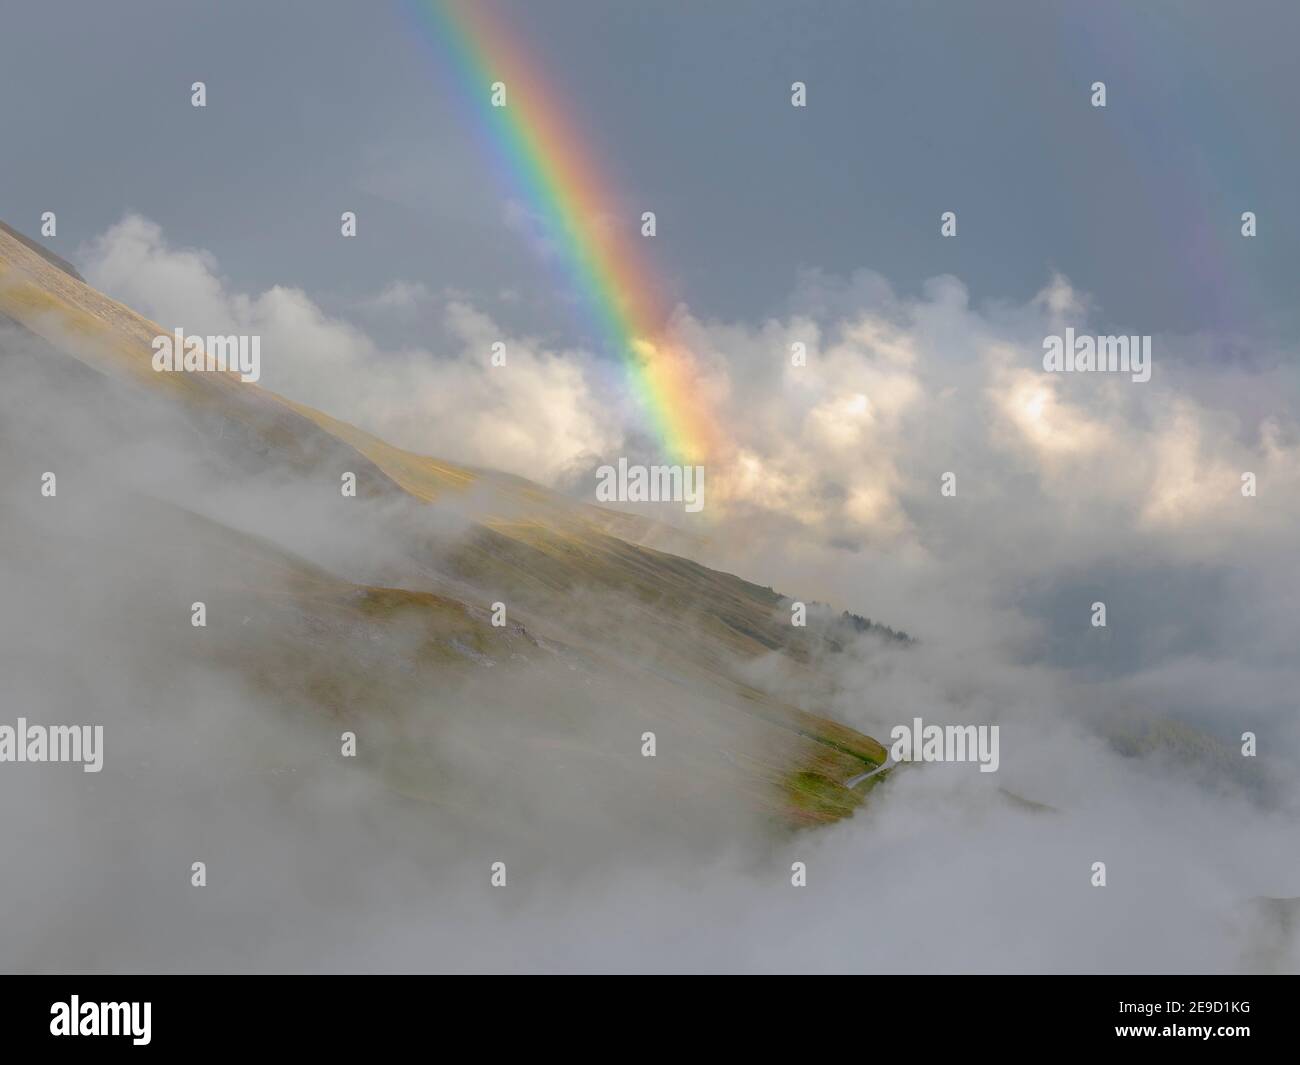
(339, 1014)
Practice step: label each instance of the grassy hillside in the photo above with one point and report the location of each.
(606, 637)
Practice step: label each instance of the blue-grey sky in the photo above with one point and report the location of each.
(914, 108)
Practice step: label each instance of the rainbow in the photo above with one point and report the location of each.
(547, 165)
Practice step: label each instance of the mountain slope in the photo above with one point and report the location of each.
(605, 638)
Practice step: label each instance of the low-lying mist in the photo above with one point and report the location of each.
(223, 745)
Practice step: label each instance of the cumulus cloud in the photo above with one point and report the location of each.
(827, 477)
(1055, 473)
(1070, 489)
(537, 416)
(849, 447)
(897, 392)
(399, 296)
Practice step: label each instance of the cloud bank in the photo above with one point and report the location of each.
(1070, 490)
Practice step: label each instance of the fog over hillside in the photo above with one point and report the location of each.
(522, 743)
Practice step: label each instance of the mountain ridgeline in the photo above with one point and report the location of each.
(502, 654)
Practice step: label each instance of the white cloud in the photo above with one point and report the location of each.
(399, 295)
(537, 416)
(1069, 487)
(849, 448)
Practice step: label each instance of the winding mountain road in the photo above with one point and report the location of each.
(853, 782)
